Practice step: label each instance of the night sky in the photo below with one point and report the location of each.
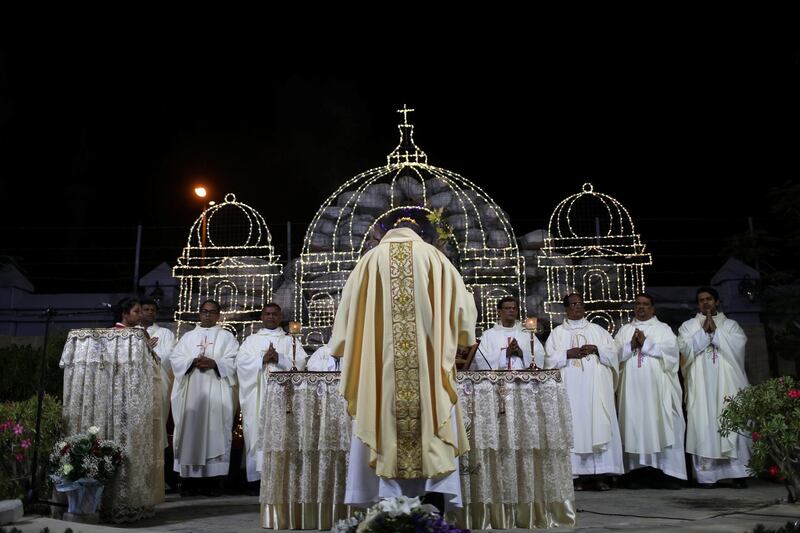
(690, 137)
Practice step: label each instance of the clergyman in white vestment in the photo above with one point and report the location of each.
(404, 312)
(507, 345)
(650, 406)
(712, 349)
(162, 342)
(269, 349)
(203, 400)
(587, 357)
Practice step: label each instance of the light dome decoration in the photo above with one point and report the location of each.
(482, 243)
(593, 249)
(229, 258)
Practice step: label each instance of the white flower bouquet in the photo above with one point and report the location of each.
(85, 456)
(397, 515)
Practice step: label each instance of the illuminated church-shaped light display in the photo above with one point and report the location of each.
(592, 248)
(229, 258)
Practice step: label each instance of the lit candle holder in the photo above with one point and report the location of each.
(530, 324)
(294, 331)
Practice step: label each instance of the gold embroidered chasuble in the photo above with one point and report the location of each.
(404, 311)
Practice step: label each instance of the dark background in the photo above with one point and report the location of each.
(689, 134)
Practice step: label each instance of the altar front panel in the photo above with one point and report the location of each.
(517, 473)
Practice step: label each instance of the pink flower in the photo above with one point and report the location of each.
(727, 398)
(794, 393)
(27, 443)
(756, 435)
(780, 380)
(4, 426)
(20, 457)
(774, 470)
(18, 429)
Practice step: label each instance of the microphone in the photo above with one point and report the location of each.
(105, 304)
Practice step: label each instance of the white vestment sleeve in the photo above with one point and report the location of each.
(667, 346)
(731, 339)
(226, 357)
(623, 343)
(700, 341)
(181, 357)
(651, 349)
(608, 354)
(248, 368)
(556, 356)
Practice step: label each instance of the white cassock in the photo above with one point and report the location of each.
(322, 360)
(650, 407)
(713, 368)
(163, 349)
(203, 402)
(590, 384)
(250, 372)
(491, 354)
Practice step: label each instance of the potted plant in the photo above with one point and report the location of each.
(769, 413)
(396, 515)
(81, 465)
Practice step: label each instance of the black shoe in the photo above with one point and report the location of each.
(633, 484)
(253, 488)
(739, 483)
(188, 488)
(669, 483)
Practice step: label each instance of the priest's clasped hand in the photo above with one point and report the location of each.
(204, 363)
(270, 356)
(514, 349)
(708, 325)
(637, 341)
(588, 349)
(584, 351)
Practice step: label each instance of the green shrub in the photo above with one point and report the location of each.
(769, 413)
(22, 367)
(17, 432)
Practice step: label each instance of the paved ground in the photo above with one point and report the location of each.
(699, 510)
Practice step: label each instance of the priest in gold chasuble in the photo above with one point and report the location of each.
(404, 312)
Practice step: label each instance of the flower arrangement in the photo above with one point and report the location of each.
(85, 456)
(397, 515)
(769, 413)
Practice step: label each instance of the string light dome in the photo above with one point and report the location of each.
(482, 244)
(229, 258)
(593, 249)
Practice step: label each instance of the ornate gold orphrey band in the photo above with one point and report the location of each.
(406, 362)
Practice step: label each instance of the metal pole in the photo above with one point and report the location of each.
(136, 260)
(203, 238)
(288, 242)
(48, 316)
(753, 236)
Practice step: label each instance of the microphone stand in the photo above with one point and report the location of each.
(484, 357)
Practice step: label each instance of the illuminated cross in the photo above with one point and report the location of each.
(204, 345)
(405, 111)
